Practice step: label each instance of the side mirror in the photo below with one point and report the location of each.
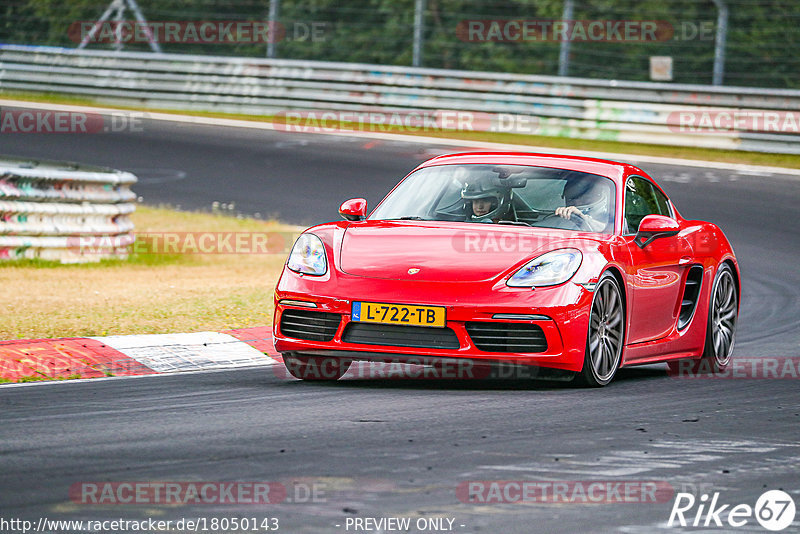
(653, 227)
(354, 209)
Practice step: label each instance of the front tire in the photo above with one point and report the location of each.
(315, 368)
(606, 334)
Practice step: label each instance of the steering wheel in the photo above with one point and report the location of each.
(573, 223)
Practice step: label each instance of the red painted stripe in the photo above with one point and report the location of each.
(64, 358)
(259, 338)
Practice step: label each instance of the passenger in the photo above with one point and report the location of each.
(484, 202)
(482, 206)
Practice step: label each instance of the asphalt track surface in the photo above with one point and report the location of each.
(400, 448)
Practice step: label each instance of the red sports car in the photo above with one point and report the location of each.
(574, 265)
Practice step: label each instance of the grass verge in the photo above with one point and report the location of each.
(149, 293)
(706, 154)
(39, 378)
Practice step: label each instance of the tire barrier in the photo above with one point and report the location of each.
(64, 212)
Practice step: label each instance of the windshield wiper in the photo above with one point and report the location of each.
(408, 218)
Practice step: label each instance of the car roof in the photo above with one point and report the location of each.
(612, 169)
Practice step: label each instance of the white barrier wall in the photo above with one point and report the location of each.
(735, 118)
(64, 212)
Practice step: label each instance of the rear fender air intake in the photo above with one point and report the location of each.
(691, 294)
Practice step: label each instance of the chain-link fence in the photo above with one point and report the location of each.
(755, 42)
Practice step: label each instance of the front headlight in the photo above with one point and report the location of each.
(308, 256)
(550, 269)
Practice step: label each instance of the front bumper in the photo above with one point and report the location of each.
(566, 308)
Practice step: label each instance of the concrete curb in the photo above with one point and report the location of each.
(77, 357)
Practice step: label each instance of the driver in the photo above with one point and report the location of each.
(485, 202)
(587, 202)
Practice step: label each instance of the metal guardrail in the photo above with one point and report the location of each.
(558, 106)
(64, 212)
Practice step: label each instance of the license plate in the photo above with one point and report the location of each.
(398, 314)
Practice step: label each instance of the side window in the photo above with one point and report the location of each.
(642, 198)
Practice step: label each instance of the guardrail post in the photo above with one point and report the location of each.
(274, 9)
(563, 55)
(419, 28)
(719, 45)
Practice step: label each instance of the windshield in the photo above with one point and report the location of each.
(504, 194)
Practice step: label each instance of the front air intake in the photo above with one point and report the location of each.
(507, 337)
(400, 336)
(309, 325)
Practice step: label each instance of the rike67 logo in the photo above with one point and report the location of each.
(774, 510)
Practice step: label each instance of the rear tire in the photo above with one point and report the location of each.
(606, 335)
(315, 368)
(723, 310)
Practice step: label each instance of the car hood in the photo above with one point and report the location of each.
(444, 251)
